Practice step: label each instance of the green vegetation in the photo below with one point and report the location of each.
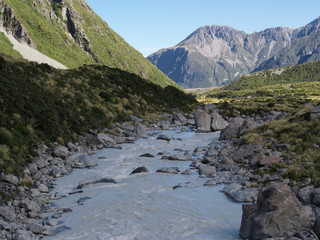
(6, 46)
(294, 90)
(93, 35)
(42, 104)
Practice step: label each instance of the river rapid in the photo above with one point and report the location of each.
(145, 206)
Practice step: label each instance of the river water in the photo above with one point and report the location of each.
(145, 206)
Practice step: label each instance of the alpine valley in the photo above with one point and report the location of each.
(217, 55)
(97, 143)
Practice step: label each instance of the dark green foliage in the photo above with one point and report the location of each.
(39, 103)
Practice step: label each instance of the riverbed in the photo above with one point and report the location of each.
(146, 205)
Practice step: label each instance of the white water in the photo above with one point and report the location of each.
(145, 206)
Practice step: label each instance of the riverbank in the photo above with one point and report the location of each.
(223, 161)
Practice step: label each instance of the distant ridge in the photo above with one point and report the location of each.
(217, 55)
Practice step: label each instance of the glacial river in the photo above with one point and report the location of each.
(145, 206)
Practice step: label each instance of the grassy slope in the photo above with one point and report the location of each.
(6, 46)
(300, 80)
(39, 103)
(295, 91)
(109, 48)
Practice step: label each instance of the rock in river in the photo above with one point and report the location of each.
(139, 170)
(95, 180)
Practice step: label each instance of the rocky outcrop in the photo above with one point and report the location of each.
(277, 213)
(13, 26)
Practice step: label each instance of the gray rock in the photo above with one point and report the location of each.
(119, 139)
(218, 123)
(139, 170)
(42, 188)
(231, 188)
(56, 230)
(140, 130)
(163, 137)
(247, 125)
(202, 120)
(33, 168)
(181, 157)
(316, 226)
(187, 172)
(72, 147)
(95, 180)
(148, 155)
(103, 139)
(278, 211)
(24, 235)
(316, 197)
(232, 130)
(76, 157)
(35, 228)
(90, 162)
(29, 205)
(210, 182)
(207, 171)
(10, 178)
(244, 196)
(60, 152)
(179, 117)
(82, 200)
(169, 170)
(7, 213)
(305, 195)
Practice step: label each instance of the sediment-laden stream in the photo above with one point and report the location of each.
(145, 206)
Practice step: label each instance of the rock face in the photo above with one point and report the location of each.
(217, 55)
(276, 213)
(67, 36)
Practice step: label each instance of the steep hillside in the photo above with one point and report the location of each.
(69, 32)
(217, 55)
(41, 104)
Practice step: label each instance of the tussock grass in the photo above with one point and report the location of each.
(42, 104)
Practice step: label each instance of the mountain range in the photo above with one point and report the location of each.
(218, 55)
(71, 33)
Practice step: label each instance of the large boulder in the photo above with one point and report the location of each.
(232, 130)
(277, 213)
(202, 120)
(207, 171)
(178, 117)
(218, 123)
(140, 130)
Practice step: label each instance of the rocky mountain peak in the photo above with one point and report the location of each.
(217, 55)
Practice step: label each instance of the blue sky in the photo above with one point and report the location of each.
(149, 25)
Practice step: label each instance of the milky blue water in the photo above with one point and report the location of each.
(145, 206)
